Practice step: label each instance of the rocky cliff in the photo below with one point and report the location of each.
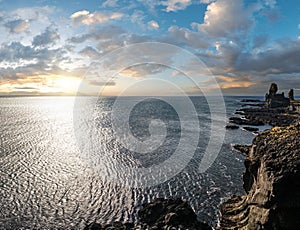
(272, 184)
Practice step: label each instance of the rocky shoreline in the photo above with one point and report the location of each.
(271, 180)
(272, 169)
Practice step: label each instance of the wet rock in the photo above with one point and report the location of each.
(232, 127)
(267, 116)
(250, 129)
(247, 121)
(245, 149)
(168, 213)
(251, 100)
(271, 182)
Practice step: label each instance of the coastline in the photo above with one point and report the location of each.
(257, 208)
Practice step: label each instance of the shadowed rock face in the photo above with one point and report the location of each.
(291, 95)
(272, 184)
(274, 100)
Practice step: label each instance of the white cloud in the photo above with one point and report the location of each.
(87, 18)
(153, 25)
(175, 5)
(110, 3)
(206, 1)
(225, 17)
(270, 3)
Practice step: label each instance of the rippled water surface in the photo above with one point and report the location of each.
(49, 180)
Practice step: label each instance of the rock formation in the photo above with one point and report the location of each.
(271, 181)
(275, 100)
(291, 95)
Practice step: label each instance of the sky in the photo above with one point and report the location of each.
(52, 47)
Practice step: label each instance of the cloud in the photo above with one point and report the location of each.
(206, 1)
(140, 71)
(49, 36)
(26, 62)
(282, 57)
(110, 3)
(260, 40)
(102, 83)
(175, 5)
(87, 18)
(153, 25)
(17, 25)
(34, 13)
(270, 3)
(90, 52)
(186, 37)
(224, 18)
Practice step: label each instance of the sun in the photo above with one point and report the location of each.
(67, 84)
(60, 85)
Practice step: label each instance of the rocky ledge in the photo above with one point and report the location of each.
(265, 116)
(271, 181)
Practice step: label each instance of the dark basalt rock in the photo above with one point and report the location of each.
(250, 129)
(291, 95)
(246, 121)
(232, 127)
(251, 100)
(271, 181)
(274, 100)
(239, 113)
(168, 213)
(245, 149)
(267, 116)
(254, 105)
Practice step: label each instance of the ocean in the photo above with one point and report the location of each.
(57, 173)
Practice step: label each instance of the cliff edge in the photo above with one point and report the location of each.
(272, 184)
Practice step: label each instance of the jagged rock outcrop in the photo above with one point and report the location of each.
(274, 100)
(164, 214)
(169, 214)
(271, 181)
(291, 95)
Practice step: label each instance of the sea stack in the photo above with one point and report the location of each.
(274, 99)
(291, 95)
